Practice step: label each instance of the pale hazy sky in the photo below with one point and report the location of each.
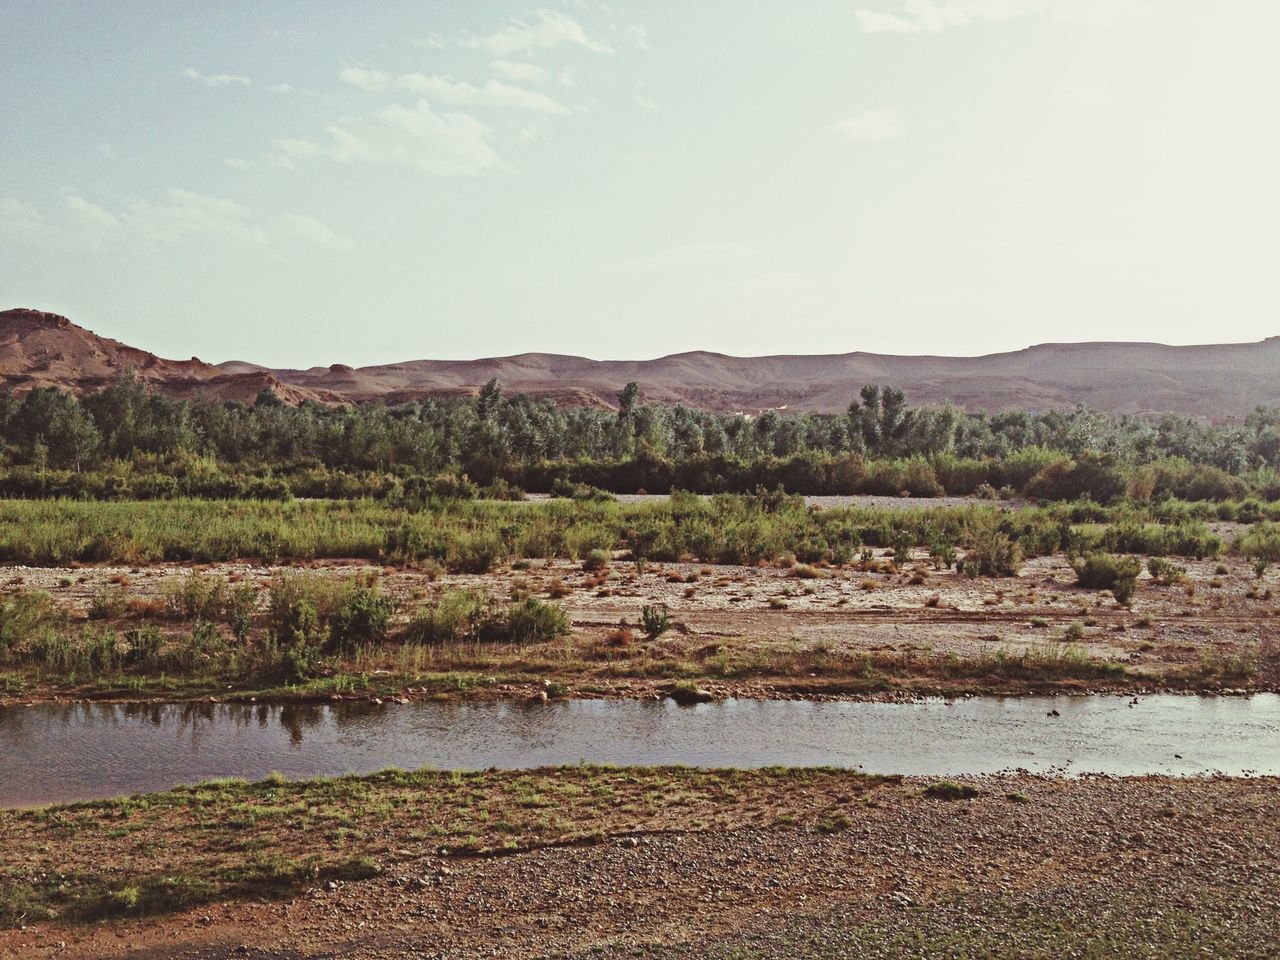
(310, 182)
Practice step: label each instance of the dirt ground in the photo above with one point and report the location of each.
(1217, 629)
(1030, 867)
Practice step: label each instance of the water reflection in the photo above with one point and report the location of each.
(79, 751)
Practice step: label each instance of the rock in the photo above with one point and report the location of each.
(687, 696)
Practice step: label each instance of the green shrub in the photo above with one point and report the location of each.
(195, 596)
(1261, 545)
(470, 616)
(1165, 571)
(27, 618)
(362, 619)
(655, 620)
(950, 790)
(241, 603)
(1103, 571)
(992, 553)
(459, 616)
(108, 603)
(596, 560)
(534, 621)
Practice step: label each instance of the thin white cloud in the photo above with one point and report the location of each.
(432, 41)
(518, 72)
(873, 21)
(314, 232)
(184, 216)
(701, 254)
(216, 79)
(90, 214)
(446, 90)
(494, 93)
(364, 79)
(870, 126)
(445, 144)
(551, 28)
(236, 163)
(176, 218)
(933, 16)
(284, 88)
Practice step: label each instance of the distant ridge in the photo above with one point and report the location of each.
(1215, 382)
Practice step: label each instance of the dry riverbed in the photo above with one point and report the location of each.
(768, 631)
(606, 862)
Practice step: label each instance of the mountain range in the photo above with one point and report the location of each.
(1216, 382)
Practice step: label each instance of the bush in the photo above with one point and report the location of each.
(109, 603)
(535, 621)
(242, 602)
(459, 616)
(992, 553)
(362, 619)
(26, 619)
(195, 596)
(1261, 546)
(1103, 571)
(655, 620)
(470, 616)
(1165, 571)
(596, 560)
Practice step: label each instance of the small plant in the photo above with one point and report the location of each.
(1165, 571)
(943, 554)
(596, 560)
(655, 620)
(835, 822)
(242, 601)
(109, 603)
(1074, 631)
(804, 571)
(950, 790)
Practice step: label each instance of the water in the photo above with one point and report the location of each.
(61, 752)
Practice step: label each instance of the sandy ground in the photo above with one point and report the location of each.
(1030, 867)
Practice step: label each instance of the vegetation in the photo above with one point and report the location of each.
(473, 536)
(1102, 571)
(126, 442)
(229, 839)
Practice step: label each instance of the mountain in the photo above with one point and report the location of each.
(1215, 382)
(40, 349)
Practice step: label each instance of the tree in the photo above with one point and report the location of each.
(489, 400)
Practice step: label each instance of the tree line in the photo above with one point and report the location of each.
(879, 444)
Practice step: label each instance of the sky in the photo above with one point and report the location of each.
(300, 183)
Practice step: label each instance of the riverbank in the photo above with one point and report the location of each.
(873, 630)
(652, 862)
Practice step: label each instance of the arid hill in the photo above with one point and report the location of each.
(40, 349)
(1216, 382)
